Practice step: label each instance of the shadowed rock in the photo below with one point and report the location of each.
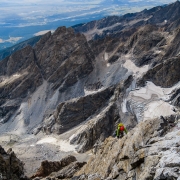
(10, 166)
(71, 113)
(49, 167)
(65, 168)
(165, 74)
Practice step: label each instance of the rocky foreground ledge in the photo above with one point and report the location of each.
(63, 169)
(150, 151)
(11, 168)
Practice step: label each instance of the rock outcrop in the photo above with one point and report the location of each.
(64, 57)
(65, 168)
(73, 112)
(141, 154)
(103, 124)
(19, 74)
(164, 74)
(96, 130)
(11, 168)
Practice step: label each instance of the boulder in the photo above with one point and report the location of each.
(63, 169)
(47, 167)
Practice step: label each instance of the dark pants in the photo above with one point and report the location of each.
(121, 134)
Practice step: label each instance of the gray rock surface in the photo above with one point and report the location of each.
(64, 57)
(164, 74)
(48, 167)
(10, 166)
(73, 112)
(65, 168)
(68, 60)
(141, 154)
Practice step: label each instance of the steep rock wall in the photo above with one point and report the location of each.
(141, 154)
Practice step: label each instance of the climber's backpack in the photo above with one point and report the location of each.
(121, 128)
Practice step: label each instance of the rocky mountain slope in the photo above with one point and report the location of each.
(145, 153)
(67, 94)
(10, 50)
(164, 16)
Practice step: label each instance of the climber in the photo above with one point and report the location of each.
(120, 130)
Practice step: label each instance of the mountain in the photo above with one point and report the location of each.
(118, 26)
(22, 20)
(10, 50)
(67, 94)
(163, 16)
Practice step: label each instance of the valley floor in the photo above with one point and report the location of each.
(32, 150)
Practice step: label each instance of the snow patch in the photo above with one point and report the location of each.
(106, 56)
(158, 108)
(147, 91)
(64, 145)
(157, 52)
(150, 101)
(124, 109)
(108, 64)
(43, 32)
(50, 140)
(138, 71)
(9, 79)
(87, 92)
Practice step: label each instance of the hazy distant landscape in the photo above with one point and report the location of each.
(22, 20)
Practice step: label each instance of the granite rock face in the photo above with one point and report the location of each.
(73, 112)
(164, 74)
(145, 43)
(141, 154)
(94, 132)
(68, 60)
(64, 57)
(19, 74)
